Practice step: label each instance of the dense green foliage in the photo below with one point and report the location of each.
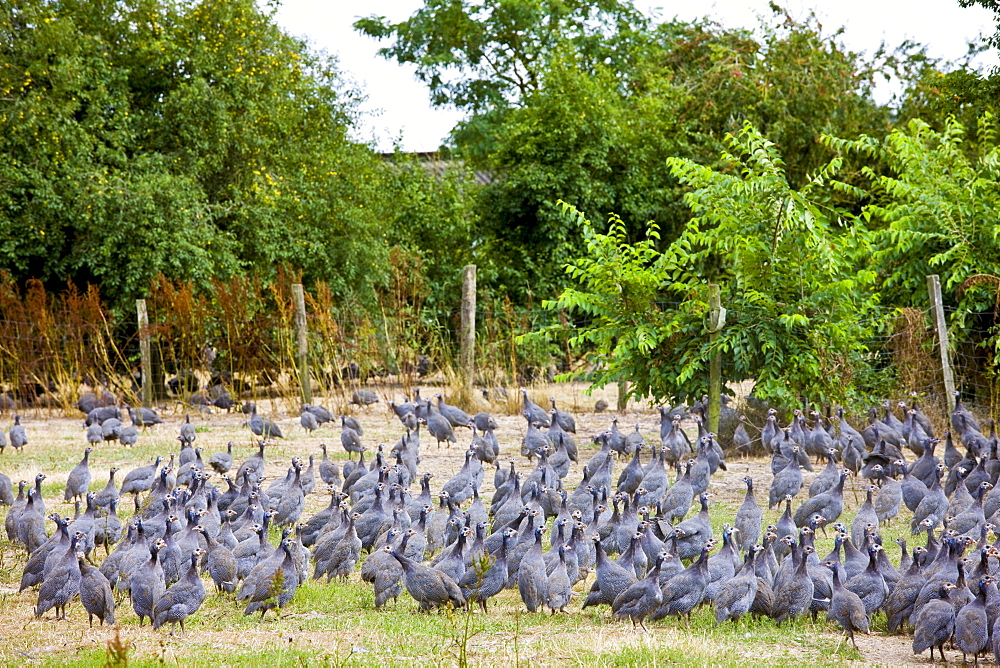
(568, 124)
(789, 277)
(190, 139)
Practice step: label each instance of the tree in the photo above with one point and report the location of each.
(484, 54)
(933, 202)
(194, 140)
(600, 137)
(791, 278)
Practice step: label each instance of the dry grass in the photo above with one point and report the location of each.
(336, 624)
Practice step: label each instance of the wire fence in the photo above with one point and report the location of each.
(241, 336)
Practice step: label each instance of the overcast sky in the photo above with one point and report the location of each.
(398, 108)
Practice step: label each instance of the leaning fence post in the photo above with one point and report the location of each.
(937, 308)
(302, 337)
(145, 352)
(716, 320)
(467, 351)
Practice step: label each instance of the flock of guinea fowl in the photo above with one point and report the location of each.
(628, 521)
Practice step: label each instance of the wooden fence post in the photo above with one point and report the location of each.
(716, 320)
(467, 342)
(937, 308)
(302, 337)
(145, 353)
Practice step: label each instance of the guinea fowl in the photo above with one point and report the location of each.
(61, 584)
(385, 578)
(676, 442)
(531, 576)
(683, 592)
(272, 582)
(485, 580)
(890, 496)
(262, 426)
(534, 440)
(31, 521)
(142, 416)
(565, 420)
(558, 585)
(786, 482)
(631, 476)
(94, 436)
(654, 481)
(640, 598)
(147, 583)
(250, 551)
(182, 599)
(864, 516)
(829, 504)
(455, 415)
(336, 555)
(222, 462)
(349, 438)
(535, 413)
(187, 434)
(898, 605)
(972, 630)
(741, 439)
(748, 519)
(616, 438)
(484, 421)
(696, 531)
(220, 562)
(110, 492)
(828, 477)
(321, 414)
(439, 427)
(913, 490)
(934, 624)
(924, 465)
(676, 502)
(970, 521)
(722, 565)
(78, 481)
(611, 578)
(17, 435)
(451, 562)
(951, 456)
(15, 510)
(291, 503)
(95, 593)
(701, 470)
(308, 422)
(428, 587)
(818, 439)
(140, 479)
(846, 608)
(795, 595)
(869, 585)
(6, 490)
(737, 595)
(932, 507)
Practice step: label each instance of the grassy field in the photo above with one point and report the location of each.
(337, 624)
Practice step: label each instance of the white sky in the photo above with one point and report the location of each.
(398, 107)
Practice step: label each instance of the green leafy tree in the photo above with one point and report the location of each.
(789, 276)
(933, 210)
(485, 54)
(194, 140)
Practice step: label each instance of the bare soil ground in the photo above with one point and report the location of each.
(57, 442)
